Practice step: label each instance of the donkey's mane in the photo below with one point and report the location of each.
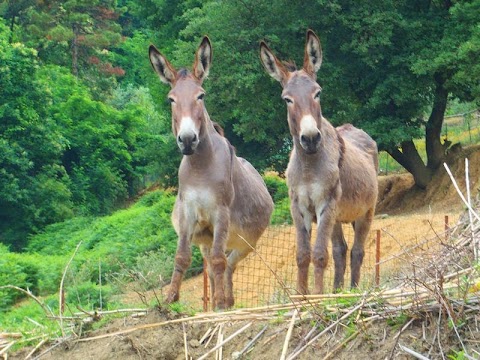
(218, 128)
(183, 73)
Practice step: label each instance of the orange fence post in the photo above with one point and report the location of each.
(447, 228)
(377, 259)
(205, 286)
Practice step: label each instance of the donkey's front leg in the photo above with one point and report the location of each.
(184, 227)
(303, 226)
(218, 258)
(182, 262)
(325, 221)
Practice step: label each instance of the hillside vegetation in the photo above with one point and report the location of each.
(108, 246)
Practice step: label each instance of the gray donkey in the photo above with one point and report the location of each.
(331, 175)
(223, 205)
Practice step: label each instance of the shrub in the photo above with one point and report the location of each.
(89, 295)
(281, 214)
(277, 187)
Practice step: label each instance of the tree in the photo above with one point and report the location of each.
(75, 33)
(388, 65)
(411, 53)
(33, 185)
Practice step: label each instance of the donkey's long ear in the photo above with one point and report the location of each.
(162, 67)
(273, 66)
(313, 53)
(203, 59)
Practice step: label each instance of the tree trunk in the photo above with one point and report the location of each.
(12, 27)
(413, 163)
(409, 158)
(75, 50)
(435, 149)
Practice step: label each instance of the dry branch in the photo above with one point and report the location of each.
(204, 356)
(61, 294)
(289, 334)
(250, 344)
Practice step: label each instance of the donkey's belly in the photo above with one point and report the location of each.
(237, 238)
(347, 213)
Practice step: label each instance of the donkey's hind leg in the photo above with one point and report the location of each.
(232, 261)
(362, 228)
(339, 250)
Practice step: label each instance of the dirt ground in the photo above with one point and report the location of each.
(405, 214)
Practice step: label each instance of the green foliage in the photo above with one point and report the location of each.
(135, 244)
(278, 190)
(458, 355)
(281, 213)
(17, 319)
(11, 273)
(89, 295)
(31, 145)
(397, 321)
(276, 186)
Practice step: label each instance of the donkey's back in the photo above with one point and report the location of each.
(358, 173)
(363, 142)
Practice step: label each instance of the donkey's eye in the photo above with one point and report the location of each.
(317, 95)
(170, 100)
(201, 96)
(288, 100)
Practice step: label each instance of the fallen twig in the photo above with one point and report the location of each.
(185, 341)
(36, 348)
(61, 294)
(204, 356)
(411, 352)
(251, 343)
(335, 323)
(289, 334)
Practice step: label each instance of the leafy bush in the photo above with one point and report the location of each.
(277, 187)
(89, 295)
(281, 213)
(11, 273)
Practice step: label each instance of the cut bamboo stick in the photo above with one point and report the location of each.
(204, 356)
(185, 341)
(30, 354)
(289, 334)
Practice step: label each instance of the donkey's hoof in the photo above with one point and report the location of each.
(303, 291)
(229, 302)
(220, 305)
(172, 297)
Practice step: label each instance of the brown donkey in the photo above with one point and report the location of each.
(222, 199)
(331, 175)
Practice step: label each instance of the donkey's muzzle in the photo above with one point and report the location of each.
(310, 143)
(187, 143)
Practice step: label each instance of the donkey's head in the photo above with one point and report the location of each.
(186, 95)
(301, 92)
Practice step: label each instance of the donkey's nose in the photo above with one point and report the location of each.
(187, 143)
(310, 142)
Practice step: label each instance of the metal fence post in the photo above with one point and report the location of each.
(205, 286)
(377, 259)
(447, 228)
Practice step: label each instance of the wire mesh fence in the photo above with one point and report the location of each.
(268, 275)
(462, 128)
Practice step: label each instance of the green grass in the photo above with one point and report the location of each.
(139, 241)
